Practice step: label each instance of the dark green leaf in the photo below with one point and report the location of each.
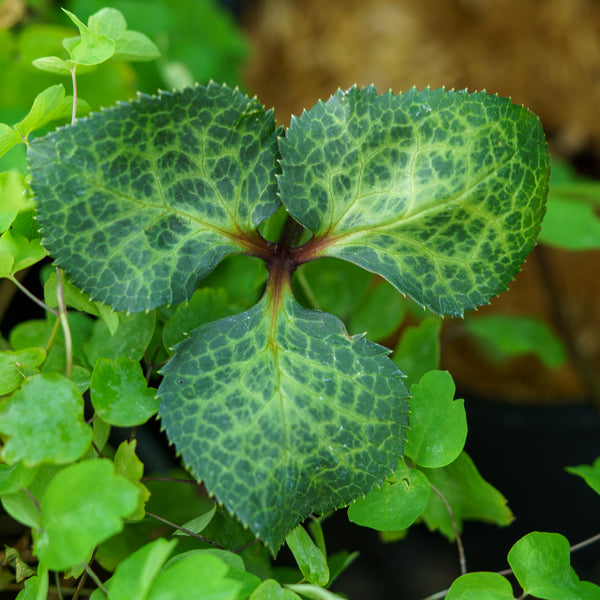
(502, 336)
(469, 496)
(418, 350)
(52, 432)
(438, 423)
(141, 201)
(395, 505)
(120, 394)
(590, 473)
(440, 192)
(83, 505)
(542, 565)
(480, 586)
(281, 413)
(311, 561)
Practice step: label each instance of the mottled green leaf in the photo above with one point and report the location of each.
(53, 431)
(395, 505)
(281, 413)
(418, 350)
(84, 504)
(438, 423)
(503, 336)
(311, 561)
(440, 192)
(590, 473)
(542, 565)
(16, 365)
(139, 202)
(469, 496)
(120, 394)
(480, 586)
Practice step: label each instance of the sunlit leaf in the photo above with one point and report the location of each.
(440, 192)
(480, 586)
(590, 473)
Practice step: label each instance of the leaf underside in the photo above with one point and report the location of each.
(440, 192)
(142, 200)
(283, 414)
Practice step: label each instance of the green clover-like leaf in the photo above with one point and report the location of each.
(480, 586)
(280, 412)
(440, 192)
(141, 201)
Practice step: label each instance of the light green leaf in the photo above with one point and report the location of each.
(133, 45)
(206, 305)
(24, 252)
(53, 431)
(92, 49)
(542, 565)
(438, 423)
(395, 505)
(131, 467)
(281, 413)
(15, 199)
(271, 590)
(8, 138)
(16, 365)
(14, 477)
(130, 340)
(49, 105)
(139, 202)
(440, 192)
(200, 575)
(503, 336)
(20, 506)
(197, 524)
(418, 350)
(84, 504)
(480, 586)
(109, 22)
(135, 575)
(469, 496)
(311, 561)
(53, 64)
(313, 592)
(590, 473)
(120, 394)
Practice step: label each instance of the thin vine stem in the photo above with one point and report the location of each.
(64, 322)
(33, 297)
(184, 530)
(95, 577)
(57, 583)
(459, 544)
(74, 81)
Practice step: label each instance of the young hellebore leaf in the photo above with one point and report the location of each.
(120, 394)
(542, 565)
(440, 192)
(84, 504)
(43, 421)
(280, 412)
(438, 423)
(395, 505)
(141, 201)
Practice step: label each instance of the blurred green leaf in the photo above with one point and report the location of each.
(92, 49)
(14, 198)
(272, 590)
(312, 562)
(14, 477)
(9, 137)
(16, 365)
(503, 336)
(590, 473)
(22, 251)
(132, 468)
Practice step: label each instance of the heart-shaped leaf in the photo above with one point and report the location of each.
(440, 192)
(280, 412)
(141, 201)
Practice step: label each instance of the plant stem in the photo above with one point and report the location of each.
(64, 321)
(74, 80)
(32, 498)
(58, 588)
(301, 279)
(95, 577)
(32, 297)
(461, 550)
(184, 530)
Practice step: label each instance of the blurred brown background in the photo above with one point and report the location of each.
(544, 54)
